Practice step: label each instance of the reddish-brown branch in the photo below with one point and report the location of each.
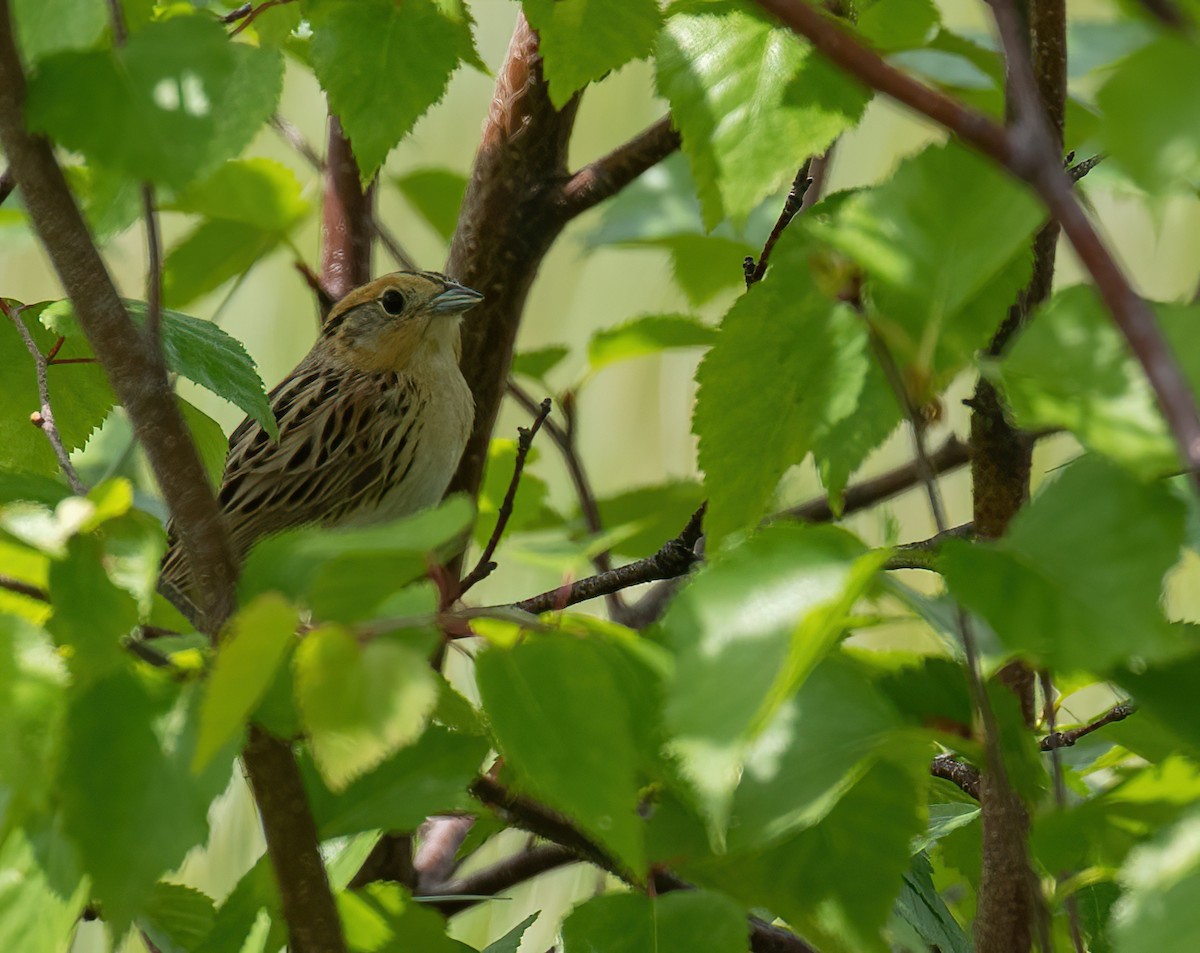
(247, 14)
(1027, 153)
(605, 177)
(346, 218)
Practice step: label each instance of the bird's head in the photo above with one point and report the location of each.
(398, 318)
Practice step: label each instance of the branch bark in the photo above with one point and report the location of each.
(347, 228)
(138, 376)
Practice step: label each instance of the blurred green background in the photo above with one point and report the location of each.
(634, 417)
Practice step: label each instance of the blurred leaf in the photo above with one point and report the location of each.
(646, 517)
(255, 645)
(361, 48)
(429, 777)
(581, 41)
(146, 799)
(1077, 587)
(172, 102)
(208, 256)
(111, 201)
(359, 704)
(693, 921)
(256, 191)
(1072, 368)
(210, 440)
(935, 251)
(746, 632)
(1093, 44)
(238, 915)
(290, 562)
(1166, 690)
(706, 265)
(1151, 117)
(32, 488)
(787, 365)
(544, 697)
(177, 918)
(511, 941)
(738, 86)
(48, 26)
(79, 396)
(41, 897)
(437, 195)
(649, 334)
(538, 363)
(382, 918)
(898, 24)
(1160, 911)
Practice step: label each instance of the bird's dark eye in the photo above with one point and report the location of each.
(392, 301)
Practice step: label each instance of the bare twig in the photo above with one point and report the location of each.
(117, 17)
(1027, 153)
(966, 776)
(1072, 736)
(295, 138)
(153, 267)
(674, 559)
(755, 270)
(249, 16)
(24, 588)
(44, 419)
(1082, 168)
(393, 247)
(325, 299)
(605, 177)
(485, 566)
(7, 184)
(1060, 800)
(923, 553)
(501, 876)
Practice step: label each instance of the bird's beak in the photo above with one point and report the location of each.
(455, 300)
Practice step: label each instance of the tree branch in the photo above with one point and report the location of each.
(605, 177)
(965, 776)
(501, 876)
(139, 379)
(24, 588)
(1027, 153)
(755, 270)
(153, 267)
(484, 567)
(346, 218)
(44, 419)
(1066, 739)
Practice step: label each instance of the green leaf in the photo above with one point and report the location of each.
(921, 906)
(240, 914)
(293, 562)
(787, 365)
(175, 100)
(746, 632)
(437, 195)
(383, 917)
(644, 519)
(364, 47)
(1164, 691)
(258, 192)
(177, 918)
(1078, 587)
(1151, 119)
(540, 362)
(694, 921)
(511, 941)
(429, 777)
(542, 697)
(706, 265)
(649, 334)
(210, 440)
(146, 799)
(79, 396)
(583, 40)
(1072, 368)
(255, 645)
(208, 256)
(41, 896)
(1160, 912)
(48, 26)
(936, 252)
(738, 86)
(898, 24)
(359, 704)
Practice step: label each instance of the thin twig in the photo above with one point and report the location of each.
(1026, 152)
(153, 268)
(295, 138)
(923, 553)
(251, 15)
(966, 776)
(44, 419)
(499, 877)
(1080, 169)
(24, 588)
(485, 566)
(755, 270)
(674, 559)
(325, 299)
(7, 184)
(117, 16)
(1060, 801)
(1065, 739)
(393, 247)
